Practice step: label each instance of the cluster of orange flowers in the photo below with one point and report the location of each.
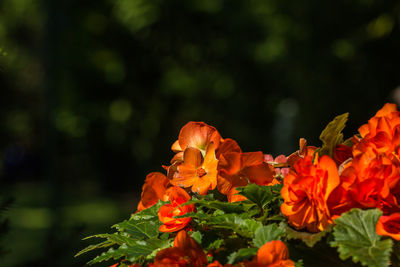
(317, 188)
(186, 252)
(203, 161)
(364, 175)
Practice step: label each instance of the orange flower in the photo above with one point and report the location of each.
(271, 254)
(215, 264)
(167, 212)
(381, 134)
(306, 190)
(153, 190)
(303, 152)
(195, 171)
(238, 169)
(185, 252)
(342, 153)
(389, 226)
(228, 145)
(274, 253)
(196, 135)
(368, 183)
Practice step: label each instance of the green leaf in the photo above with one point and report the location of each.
(108, 255)
(226, 207)
(242, 226)
(139, 229)
(310, 239)
(267, 233)
(355, 236)
(215, 245)
(197, 236)
(259, 194)
(145, 248)
(149, 213)
(332, 135)
(242, 254)
(299, 263)
(103, 244)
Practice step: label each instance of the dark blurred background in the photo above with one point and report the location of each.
(93, 94)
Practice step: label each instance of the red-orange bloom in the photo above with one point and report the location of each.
(153, 190)
(367, 183)
(167, 212)
(238, 169)
(215, 264)
(227, 146)
(195, 171)
(271, 254)
(342, 153)
(274, 253)
(185, 252)
(306, 190)
(303, 152)
(197, 135)
(389, 226)
(381, 134)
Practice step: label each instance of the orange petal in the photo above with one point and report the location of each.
(176, 147)
(252, 158)
(227, 146)
(192, 157)
(386, 110)
(231, 163)
(326, 163)
(272, 253)
(198, 135)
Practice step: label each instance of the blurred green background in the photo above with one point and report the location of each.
(93, 94)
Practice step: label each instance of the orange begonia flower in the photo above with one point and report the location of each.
(167, 212)
(185, 252)
(381, 133)
(238, 169)
(303, 152)
(274, 253)
(342, 153)
(215, 264)
(367, 183)
(306, 190)
(389, 226)
(227, 146)
(195, 171)
(196, 135)
(271, 254)
(153, 190)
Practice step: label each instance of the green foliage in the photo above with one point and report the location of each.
(240, 224)
(242, 254)
(267, 233)
(355, 236)
(310, 239)
(226, 207)
(136, 239)
(332, 135)
(261, 195)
